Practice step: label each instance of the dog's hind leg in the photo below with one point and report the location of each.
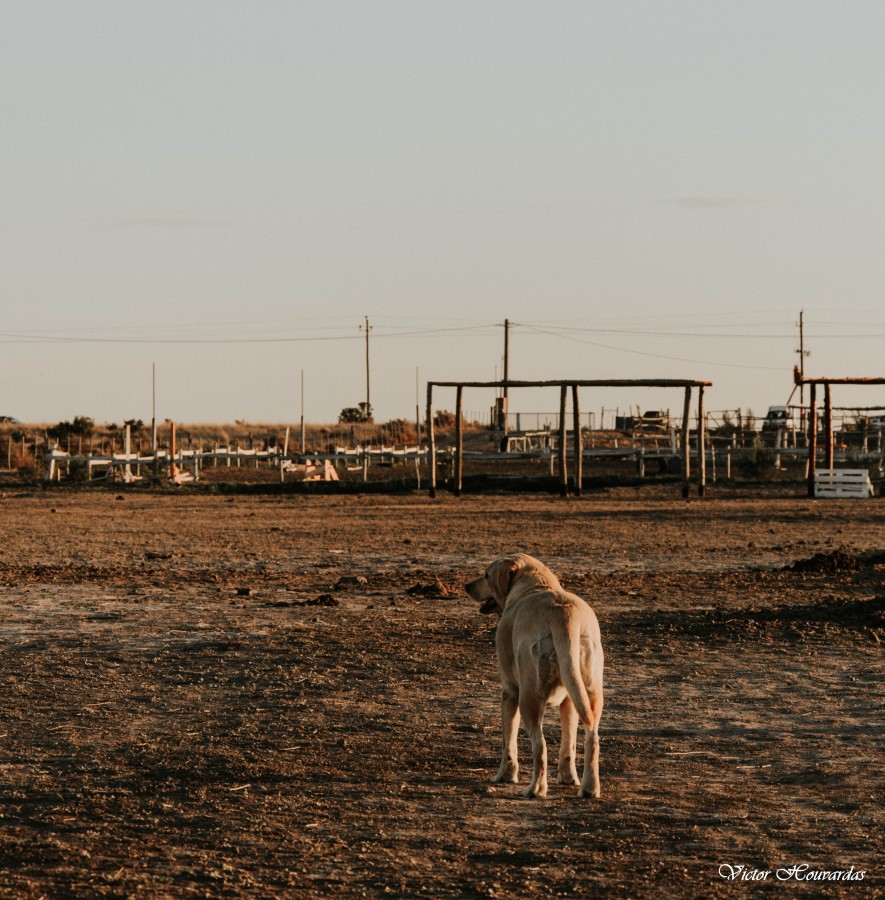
(568, 773)
(533, 716)
(509, 770)
(590, 778)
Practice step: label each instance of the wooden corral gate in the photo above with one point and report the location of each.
(564, 387)
(829, 445)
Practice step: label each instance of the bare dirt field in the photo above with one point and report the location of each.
(291, 696)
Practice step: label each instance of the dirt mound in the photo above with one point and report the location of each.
(346, 582)
(827, 563)
(435, 588)
(322, 600)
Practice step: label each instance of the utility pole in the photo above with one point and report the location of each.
(302, 413)
(802, 354)
(506, 353)
(506, 374)
(368, 404)
(154, 409)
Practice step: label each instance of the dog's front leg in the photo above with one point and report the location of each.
(568, 772)
(509, 770)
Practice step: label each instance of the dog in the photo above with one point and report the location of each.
(549, 654)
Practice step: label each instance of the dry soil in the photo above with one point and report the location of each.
(238, 696)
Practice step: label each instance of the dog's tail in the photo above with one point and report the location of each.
(566, 635)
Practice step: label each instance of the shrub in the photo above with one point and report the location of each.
(352, 414)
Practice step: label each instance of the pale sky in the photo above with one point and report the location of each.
(647, 189)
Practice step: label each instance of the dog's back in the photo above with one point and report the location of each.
(552, 638)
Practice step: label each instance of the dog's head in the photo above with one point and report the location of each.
(495, 585)
(491, 588)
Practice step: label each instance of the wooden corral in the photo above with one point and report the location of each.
(829, 443)
(565, 386)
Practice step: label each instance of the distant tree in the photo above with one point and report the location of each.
(360, 413)
(727, 426)
(444, 419)
(136, 426)
(81, 426)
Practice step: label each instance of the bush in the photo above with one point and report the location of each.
(81, 426)
(399, 431)
(353, 414)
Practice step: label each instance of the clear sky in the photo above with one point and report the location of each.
(226, 189)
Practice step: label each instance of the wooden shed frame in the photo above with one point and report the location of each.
(565, 386)
(829, 446)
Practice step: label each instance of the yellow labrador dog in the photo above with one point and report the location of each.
(549, 654)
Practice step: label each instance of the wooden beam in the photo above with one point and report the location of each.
(829, 449)
(618, 382)
(686, 450)
(431, 442)
(563, 469)
(812, 438)
(578, 443)
(841, 381)
(702, 449)
(459, 440)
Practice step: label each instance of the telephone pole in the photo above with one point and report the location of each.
(802, 354)
(368, 404)
(506, 373)
(302, 414)
(154, 409)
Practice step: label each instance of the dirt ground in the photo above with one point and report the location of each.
(280, 696)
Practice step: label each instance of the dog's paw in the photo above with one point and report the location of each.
(568, 778)
(507, 775)
(509, 778)
(535, 790)
(584, 792)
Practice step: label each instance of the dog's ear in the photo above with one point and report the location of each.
(506, 569)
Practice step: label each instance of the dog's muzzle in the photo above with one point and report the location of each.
(489, 604)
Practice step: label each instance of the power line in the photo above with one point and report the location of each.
(699, 334)
(27, 338)
(564, 331)
(654, 355)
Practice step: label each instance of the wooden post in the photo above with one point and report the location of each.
(829, 449)
(579, 447)
(459, 440)
(127, 449)
(702, 448)
(563, 468)
(812, 438)
(686, 450)
(505, 397)
(431, 442)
